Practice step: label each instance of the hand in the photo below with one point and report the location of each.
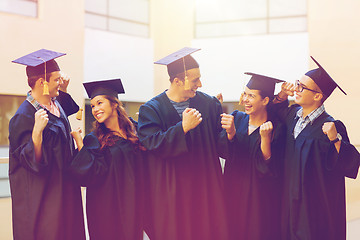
(287, 89)
(227, 123)
(266, 130)
(41, 119)
(191, 118)
(220, 97)
(76, 134)
(64, 82)
(241, 101)
(329, 130)
(77, 137)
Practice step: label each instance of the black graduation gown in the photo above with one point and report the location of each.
(253, 186)
(314, 179)
(114, 187)
(184, 181)
(46, 204)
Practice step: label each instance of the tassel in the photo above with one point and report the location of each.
(46, 88)
(241, 102)
(79, 114)
(187, 84)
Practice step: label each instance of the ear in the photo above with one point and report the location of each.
(318, 97)
(266, 101)
(40, 81)
(178, 81)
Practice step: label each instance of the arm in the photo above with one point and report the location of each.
(26, 146)
(162, 142)
(280, 104)
(41, 119)
(342, 155)
(266, 135)
(67, 103)
(90, 161)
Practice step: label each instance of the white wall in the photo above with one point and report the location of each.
(111, 55)
(284, 56)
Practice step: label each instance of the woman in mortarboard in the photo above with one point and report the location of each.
(109, 165)
(254, 140)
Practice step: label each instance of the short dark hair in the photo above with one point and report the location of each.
(32, 80)
(179, 75)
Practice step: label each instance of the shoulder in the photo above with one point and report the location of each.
(24, 113)
(91, 141)
(156, 101)
(203, 96)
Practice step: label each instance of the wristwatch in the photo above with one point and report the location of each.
(338, 138)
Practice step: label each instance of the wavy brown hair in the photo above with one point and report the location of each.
(107, 137)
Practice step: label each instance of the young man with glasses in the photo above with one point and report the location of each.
(318, 158)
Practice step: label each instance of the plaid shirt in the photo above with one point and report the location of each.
(38, 106)
(310, 118)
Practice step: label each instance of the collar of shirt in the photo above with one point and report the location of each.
(38, 105)
(313, 115)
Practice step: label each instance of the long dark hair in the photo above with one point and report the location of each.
(107, 137)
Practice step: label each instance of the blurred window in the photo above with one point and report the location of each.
(129, 17)
(223, 18)
(22, 7)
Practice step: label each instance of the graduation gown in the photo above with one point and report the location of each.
(114, 187)
(184, 182)
(46, 204)
(253, 185)
(314, 179)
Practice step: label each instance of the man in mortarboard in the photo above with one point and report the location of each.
(318, 157)
(180, 128)
(46, 204)
(252, 175)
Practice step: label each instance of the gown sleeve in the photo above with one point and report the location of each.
(89, 163)
(347, 161)
(67, 103)
(166, 143)
(21, 145)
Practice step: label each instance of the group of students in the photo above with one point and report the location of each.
(285, 166)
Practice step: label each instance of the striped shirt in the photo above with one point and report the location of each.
(310, 118)
(180, 106)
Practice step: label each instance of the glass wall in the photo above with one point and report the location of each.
(122, 16)
(222, 18)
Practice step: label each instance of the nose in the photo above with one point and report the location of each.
(199, 85)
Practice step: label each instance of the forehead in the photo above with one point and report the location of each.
(55, 74)
(251, 91)
(97, 98)
(193, 73)
(307, 81)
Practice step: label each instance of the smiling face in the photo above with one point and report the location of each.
(102, 109)
(253, 101)
(307, 98)
(54, 84)
(193, 75)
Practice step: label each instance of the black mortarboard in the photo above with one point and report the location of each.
(40, 62)
(263, 83)
(111, 87)
(323, 79)
(179, 61)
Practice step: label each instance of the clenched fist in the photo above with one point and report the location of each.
(227, 123)
(266, 130)
(329, 130)
(191, 118)
(41, 119)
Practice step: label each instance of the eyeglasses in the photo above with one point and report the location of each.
(300, 87)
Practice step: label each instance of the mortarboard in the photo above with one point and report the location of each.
(263, 83)
(111, 87)
(179, 62)
(323, 79)
(40, 62)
